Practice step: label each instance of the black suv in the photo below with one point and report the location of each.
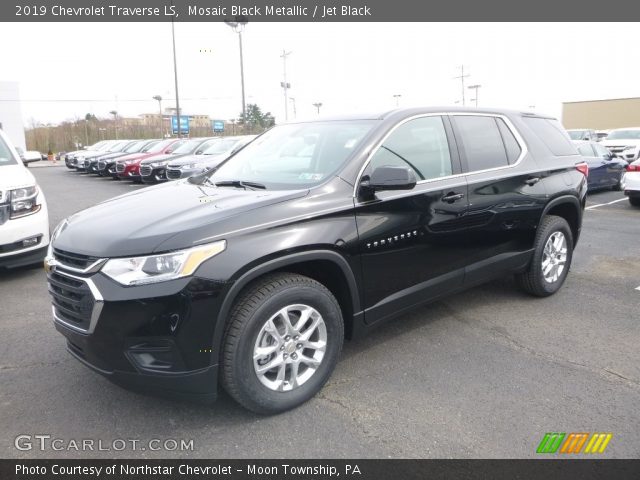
(252, 275)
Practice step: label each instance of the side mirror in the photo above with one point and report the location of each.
(391, 178)
(199, 152)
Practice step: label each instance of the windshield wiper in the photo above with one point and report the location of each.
(240, 184)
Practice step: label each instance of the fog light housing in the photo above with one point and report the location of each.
(31, 241)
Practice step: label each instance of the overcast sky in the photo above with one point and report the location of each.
(66, 70)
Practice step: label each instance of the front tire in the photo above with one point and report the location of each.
(282, 343)
(553, 252)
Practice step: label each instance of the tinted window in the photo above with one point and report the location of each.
(601, 151)
(585, 150)
(482, 142)
(511, 145)
(552, 134)
(6, 158)
(419, 144)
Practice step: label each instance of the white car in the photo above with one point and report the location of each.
(624, 143)
(24, 219)
(631, 183)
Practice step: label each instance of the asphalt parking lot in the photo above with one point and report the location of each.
(485, 373)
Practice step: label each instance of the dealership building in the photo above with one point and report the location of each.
(11, 113)
(602, 114)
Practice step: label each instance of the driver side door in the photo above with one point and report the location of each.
(412, 243)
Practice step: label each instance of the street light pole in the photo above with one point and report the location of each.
(397, 97)
(475, 87)
(159, 99)
(293, 100)
(238, 27)
(285, 86)
(318, 105)
(115, 121)
(175, 75)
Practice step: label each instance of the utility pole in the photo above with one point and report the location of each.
(285, 86)
(462, 76)
(86, 132)
(475, 87)
(318, 105)
(397, 97)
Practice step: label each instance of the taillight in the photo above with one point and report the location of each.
(633, 168)
(583, 168)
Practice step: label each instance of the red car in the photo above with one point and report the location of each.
(129, 167)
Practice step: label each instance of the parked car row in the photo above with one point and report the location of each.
(154, 161)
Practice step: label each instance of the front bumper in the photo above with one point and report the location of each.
(631, 184)
(152, 338)
(14, 232)
(129, 172)
(155, 175)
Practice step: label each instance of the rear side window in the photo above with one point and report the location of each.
(482, 142)
(552, 134)
(585, 150)
(511, 145)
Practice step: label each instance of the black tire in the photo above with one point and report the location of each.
(634, 201)
(618, 186)
(259, 302)
(532, 281)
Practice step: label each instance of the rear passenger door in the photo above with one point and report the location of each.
(505, 194)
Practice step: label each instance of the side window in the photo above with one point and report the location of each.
(552, 134)
(511, 145)
(585, 150)
(419, 144)
(482, 142)
(601, 151)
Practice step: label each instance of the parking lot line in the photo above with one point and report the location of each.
(638, 288)
(603, 204)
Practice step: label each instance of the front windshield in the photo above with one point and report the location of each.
(135, 147)
(295, 156)
(624, 135)
(221, 146)
(159, 147)
(6, 158)
(188, 147)
(116, 147)
(576, 134)
(149, 146)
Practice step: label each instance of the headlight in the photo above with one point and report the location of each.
(630, 147)
(192, 165)
(24, 201)
(160, 268)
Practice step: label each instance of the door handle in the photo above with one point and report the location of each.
(452, 197)
(532, 181)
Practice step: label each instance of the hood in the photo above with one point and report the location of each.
(187, 159)
(139, 222)
(15, 176)
(161, 157)
(627, 142)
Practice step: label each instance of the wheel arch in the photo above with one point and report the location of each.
(336, 275)
(569, 208)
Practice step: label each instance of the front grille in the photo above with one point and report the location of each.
(617, 149)
(72, 300)
(120, 167)
(4, 213)
(73, 260)
(145, 170)
(173, 174)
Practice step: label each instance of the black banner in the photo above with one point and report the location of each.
(319, 469)
(319, 11)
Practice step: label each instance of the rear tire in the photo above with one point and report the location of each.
(553, 252)
(634, 201)
(291, 323)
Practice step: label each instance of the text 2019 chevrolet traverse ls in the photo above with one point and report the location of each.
(252, 275)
